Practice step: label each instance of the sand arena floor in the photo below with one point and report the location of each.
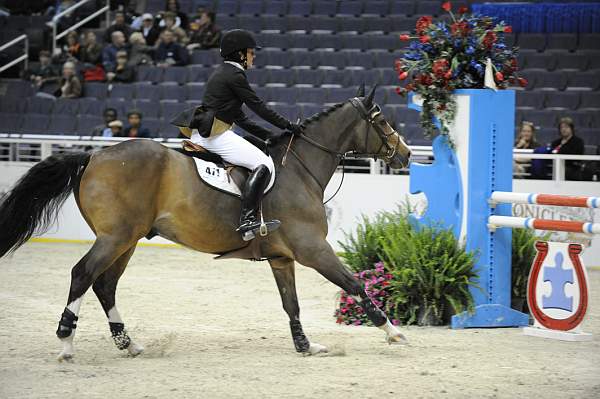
(216, 329)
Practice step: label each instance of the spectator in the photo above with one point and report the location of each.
(568, 143)
(170, 53)
(109, 55)
(149, 31)
(91, 52)
(181, 19)
(116, 128)
(525, 140)
(70, 85)
(123, 72)
(135, 129)
(45, 72)
(204, 32)
(119, 25)
(72, 48)
(180, 35)
(109, 115)
(139, 52)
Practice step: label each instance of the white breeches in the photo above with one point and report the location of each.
(236, 150)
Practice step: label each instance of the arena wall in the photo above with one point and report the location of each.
(363, 194)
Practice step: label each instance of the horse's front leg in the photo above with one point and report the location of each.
(283, 270)
(321, 257)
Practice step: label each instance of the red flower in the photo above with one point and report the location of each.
(499, 77)
(463, 10)
(404, 38)
(448, 74)
(522, 82)
(397, 65)
(423, 23)
(447, 6)
(489, 39)
(459, 28)
(425, 79)
(424, 39)
(513, 63)
(403, 75)
(440, 67)
(508, 29)
(400, 91)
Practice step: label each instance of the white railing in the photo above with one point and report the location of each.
(57, 36)
(35, 147)
(24, 57)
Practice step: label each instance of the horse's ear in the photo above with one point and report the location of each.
(368, 102)
(361, 91)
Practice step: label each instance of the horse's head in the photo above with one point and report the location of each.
(374, 136)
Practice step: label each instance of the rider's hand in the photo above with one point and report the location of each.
(295, 129)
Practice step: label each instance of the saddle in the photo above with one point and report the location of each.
(216, 172)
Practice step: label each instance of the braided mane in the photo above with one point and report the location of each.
(321, 114)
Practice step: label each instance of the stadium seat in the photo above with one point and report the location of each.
(172, 91)
(153, 125)
(205, 57)
(35, 124)
(542, 118)
(350, 8)
(280, 76)
(250, 7)
(284, 94)
(121, 90)
(275, 7)
(167, 130)
(86, 124)
(588, 41)
(402, 8)
(195, 91)
(532, 42)
(402, 23)
(590, 101)
(530, 99)
(149, 109)
(384, 59)
(95, 89)
(540, 61)
(333, 77)
(148, 92)
(562, 100)
(551, 81)
(323, 23)
(118, 104)
(378, 8)
(227, 7)
(300, 8)
(176, 74)
(11, 122)
(270, 22)
(351, 24)
(561, 42)
(149, 74)
(91, 106)
(428, 8)
(583, 81)
(198, 73)
(171, 108)
(377, 24)
(39, 105)
(327, 57)
(308, 77)
(572, 62)
(249, 22)
(301, 57)
(316, 95)
(62, 124)
(338, 95)
(307, 110)
(66, 106)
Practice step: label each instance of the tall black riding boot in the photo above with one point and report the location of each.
(251, 197)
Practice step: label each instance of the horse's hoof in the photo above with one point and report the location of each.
(65, 357)
(315, 349)
(135, 349)
(397, 339)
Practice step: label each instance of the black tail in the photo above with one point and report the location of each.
(31, 206)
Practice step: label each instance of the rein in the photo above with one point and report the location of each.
(367, 115)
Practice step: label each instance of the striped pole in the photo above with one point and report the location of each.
(543, 224)
(544, 199)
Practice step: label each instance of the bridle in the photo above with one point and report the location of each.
(368, 115)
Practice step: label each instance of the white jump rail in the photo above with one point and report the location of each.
(512, 222)
(499, 197)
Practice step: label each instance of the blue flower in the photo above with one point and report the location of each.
(470, 50)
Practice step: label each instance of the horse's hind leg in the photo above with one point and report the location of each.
(283, 270)
(324, 260)
(105, 287)
(105, 251)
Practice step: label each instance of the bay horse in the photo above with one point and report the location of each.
(140, 188)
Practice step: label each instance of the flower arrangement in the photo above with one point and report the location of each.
(453, 55)
(375, 282)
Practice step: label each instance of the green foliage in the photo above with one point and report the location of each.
(431, 271)
(523, 253)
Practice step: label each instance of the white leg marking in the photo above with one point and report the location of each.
(394, 336)
(68, 351)
(114, 316)
(314, 348)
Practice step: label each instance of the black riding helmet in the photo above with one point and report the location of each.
(237, 40)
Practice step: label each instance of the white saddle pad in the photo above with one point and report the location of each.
(218, 177)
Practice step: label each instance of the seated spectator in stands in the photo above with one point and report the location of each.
(148, 30)
(109, 55)
(525, 140)
(123, 73)
(139, 52)
(70, 85)
(181, 19)
(46, 71)
(72, 47)
(116, 128)
(109, 115)
(568, 143)
(119, 25)
(135, 128)
(91, 51)
(180, 35)
(170, 53)
(204, 33)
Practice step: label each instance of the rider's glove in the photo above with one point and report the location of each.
(295, 128)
